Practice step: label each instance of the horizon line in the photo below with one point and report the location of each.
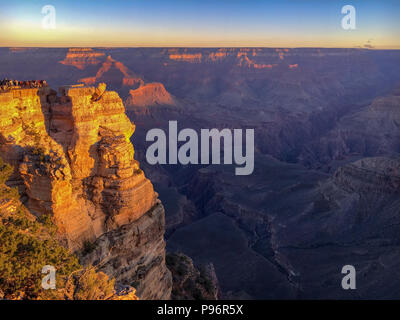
(191, 47)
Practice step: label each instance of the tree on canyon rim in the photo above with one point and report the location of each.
(27, 244)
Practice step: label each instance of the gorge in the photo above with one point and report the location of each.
(323, 194)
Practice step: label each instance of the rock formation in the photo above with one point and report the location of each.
(131, 87)
(187, 57)
(74, 160)
(374, 130)
(115, 73)
(332, 109)
(244, 61)
(81, 58)
(151, 94)
(191, 283)
(370, 175)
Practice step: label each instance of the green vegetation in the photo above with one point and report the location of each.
(28, 243)
(83, 284)
(42, 156)
(189, 282)
(92, 285)
(205, 281)
(30, 130)
(5, 171)
(24, 254)
(6, 192)
(178, 262)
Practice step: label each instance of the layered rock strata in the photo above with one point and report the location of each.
(152, 94)
(74, 161)
(82, 57)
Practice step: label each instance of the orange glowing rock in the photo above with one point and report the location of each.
(215, 56)
(86, 144)
(186, 57)
(81, 58)
(245, 61)
(112, 71)
(151, 94)
(73, 160)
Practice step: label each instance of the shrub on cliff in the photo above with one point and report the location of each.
(5, 171)
(26, 247)
(27, 244)
(189, 282)
(6, 193)
(91, 285)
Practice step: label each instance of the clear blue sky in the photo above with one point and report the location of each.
(283, 23)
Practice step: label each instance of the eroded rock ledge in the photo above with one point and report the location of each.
(74, 161)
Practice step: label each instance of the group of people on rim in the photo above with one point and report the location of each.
(7, 84)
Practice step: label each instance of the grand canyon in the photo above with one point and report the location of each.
(324, 192)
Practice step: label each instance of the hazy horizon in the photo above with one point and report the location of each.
(188, 47)
(201, 24)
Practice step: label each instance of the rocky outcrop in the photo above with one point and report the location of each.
(141, 241)
(299, 227)
(74, 160)
(378, 175)
(244, 61)
(81, 58)
(372, 131)
(186, 57)
(132, 87)
(152, 94)
(114, 73)
(190, 282)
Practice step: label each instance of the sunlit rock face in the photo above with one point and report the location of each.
(82, 57)
(74, 160)
(193, 58)
(152, 94)
(114, 73)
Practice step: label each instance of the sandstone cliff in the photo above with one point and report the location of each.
(115, 73)
(81, 58)
(74, 160)
(152, 94)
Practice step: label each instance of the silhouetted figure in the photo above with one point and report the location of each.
(7, 84)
